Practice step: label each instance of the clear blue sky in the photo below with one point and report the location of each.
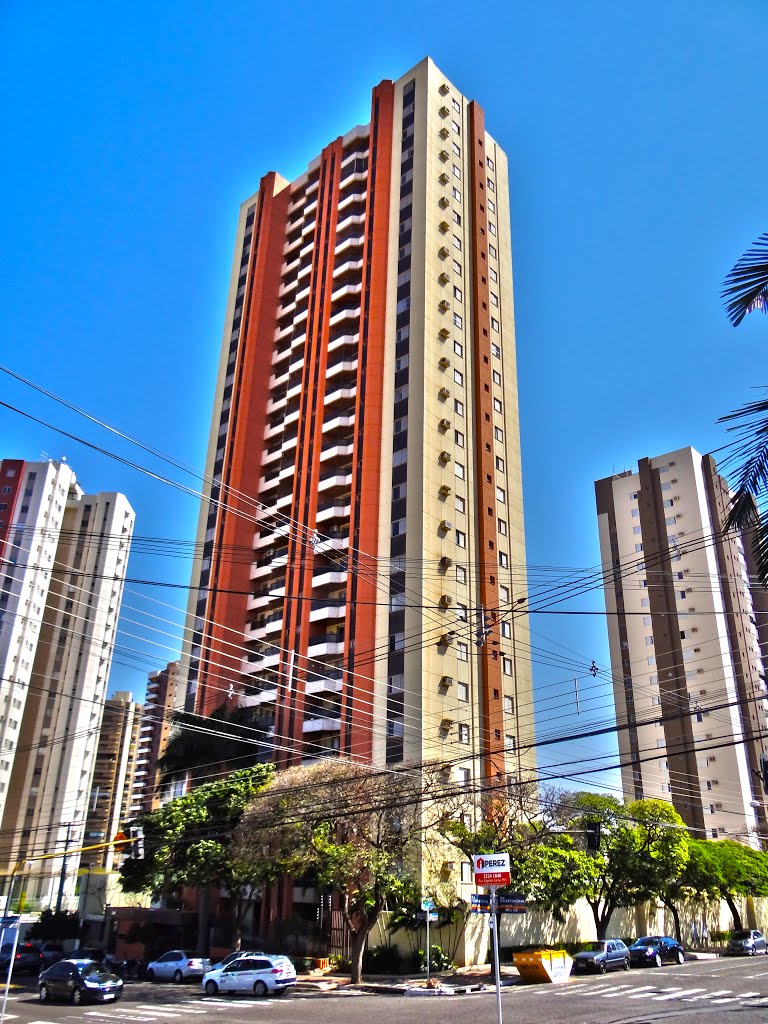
(638, 161)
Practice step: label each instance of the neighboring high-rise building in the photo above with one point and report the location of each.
(165, 694)
(109, 807)
(63, 556)
(685, 634)
(362, 541)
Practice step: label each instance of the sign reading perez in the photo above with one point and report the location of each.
(491, 868)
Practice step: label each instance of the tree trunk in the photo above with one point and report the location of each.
(356, 950)
(203, 918)
(602, 918)
(675, 917)
(734, 911)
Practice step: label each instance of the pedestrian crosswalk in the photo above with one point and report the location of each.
(653, 993)
(146, 1013)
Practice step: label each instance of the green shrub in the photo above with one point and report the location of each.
(439, 960)
(382, 960)
(720, 936)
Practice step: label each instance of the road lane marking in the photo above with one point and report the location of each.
(707, 995)
(677, 994)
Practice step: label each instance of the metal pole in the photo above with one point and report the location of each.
(428, 949)
(63, 876)
(495, 929)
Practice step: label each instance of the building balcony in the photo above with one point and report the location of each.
(331, 578)
(329, 545)
(261, 569)
(309, 226)
(315, 725)
(326, 644)
(252, 700)
(340, 395)
(347, 267)
(348, 244)
(349, 313)
(342, 366)
(307, 249)
(339, 509)
(323, 611)
(346, 291)
(334, 478)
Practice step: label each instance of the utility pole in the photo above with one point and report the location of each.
(63, 876)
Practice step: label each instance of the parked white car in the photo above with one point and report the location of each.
(177, 965)
(259, 973)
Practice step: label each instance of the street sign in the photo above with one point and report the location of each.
(427, 903)
(480, 903)
(505, 903)
(491, 869)
(426, 915)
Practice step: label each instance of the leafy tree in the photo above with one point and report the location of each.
(233, 737)
(351, 830)
(188, 842)
(724, 869)
(55, 925)
(641, 845)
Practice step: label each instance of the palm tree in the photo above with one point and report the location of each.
(745, 289)
(230, 738)
(746, 285)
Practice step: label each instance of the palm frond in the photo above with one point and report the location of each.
(746, 285)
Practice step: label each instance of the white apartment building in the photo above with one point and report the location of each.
(683, 623)
(63, 557)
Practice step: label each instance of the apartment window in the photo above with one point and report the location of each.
(645, 602)
(6, 490)
(457, 320)
(637, 529)
(495, 350)
(498, 433)
(458, 407)
(456, 148)
(499, 464)
(462, 692)
(456, 105)
(638, 548)
(456, 242)
(491, 206)
(494, 299)
(461, 539)
(463, 733)
(457, 267)
(490, 164)
(458, 376)
(461, 612)
(503, 560)
(635, 513)
(491, 227)
(492, 274)
(497, 377)
(459, 470)
(497, 405)
(509, 705)
(462, 651)
(649, 641)
(506, 629)
(458, 438)
(456, 171)
(668, 502)
(506, 666)
(456, 127)
(457, 294)
(461, 505)
(651, 660)
(461, 574)
(503, 594)
(501, 496)
(495, 324)
(458, 348)
(490, 184)
(492, 251)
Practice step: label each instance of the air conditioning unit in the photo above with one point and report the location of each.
(711, 758)
(689, 590)
(699, 671)
(444, 424)
(444, 457)
(443, 154)
(444, 362)
(446, 525)
(446, 680)
(444, 490)
(715, 782)
(443, 111)
(442, 203)
(443, 253)
(444, 393)
(694, 629)
(444, 333)
(445, 562)
(446, 601)
(444, 226)
(443, 89)
(443, 133)
(445, 640)
(443, 305)
(702, 693)
(443, 178)
(443, 279)
(674, 481)
(697, 650)
(445, 724)
(718, 806)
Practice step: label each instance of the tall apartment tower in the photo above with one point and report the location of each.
(363, 556)
(109, 806)
(165, 694)
(63, 556)
(685, 638)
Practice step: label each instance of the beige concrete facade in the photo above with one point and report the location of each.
(689, 680)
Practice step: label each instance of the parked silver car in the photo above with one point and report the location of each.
(177, 965)
(747, 942)
(601, 956)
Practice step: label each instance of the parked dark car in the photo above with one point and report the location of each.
(747, 942)
(79, 981)
(601, 956)
(28, 958)
(52, 952)
(655, 950)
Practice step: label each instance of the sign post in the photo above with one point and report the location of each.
(427, 905)
(492, 870)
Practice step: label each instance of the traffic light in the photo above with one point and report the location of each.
(593, 835)
(137, 847)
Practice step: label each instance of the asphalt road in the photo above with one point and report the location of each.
(705, 991)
